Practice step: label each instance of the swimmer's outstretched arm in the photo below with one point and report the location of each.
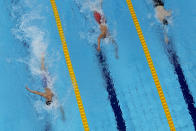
(42, 64)
(35, 92)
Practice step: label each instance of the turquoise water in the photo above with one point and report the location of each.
(117, 94)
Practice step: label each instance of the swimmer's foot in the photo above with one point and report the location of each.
(27, 88)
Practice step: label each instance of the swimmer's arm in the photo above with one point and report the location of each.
(35, 92)
(42, 63)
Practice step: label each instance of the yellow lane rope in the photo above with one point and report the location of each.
(152, 68)
(69, 65)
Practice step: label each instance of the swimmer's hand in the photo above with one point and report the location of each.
(27, 88)
(168, 13)
(98, 48)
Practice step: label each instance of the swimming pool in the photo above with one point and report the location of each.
(117, 94)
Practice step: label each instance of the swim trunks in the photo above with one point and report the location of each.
(48, 102)
(44, 81)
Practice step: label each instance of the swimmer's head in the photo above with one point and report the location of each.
(165, 22)
(48, 102)
(158, 3)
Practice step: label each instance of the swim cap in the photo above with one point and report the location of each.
(48, 102)
(165, 22)
(97, 16)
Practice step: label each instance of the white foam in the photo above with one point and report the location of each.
(34, 36)
(91, 6)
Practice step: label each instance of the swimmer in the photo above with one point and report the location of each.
(161, 13)
(48, 93)
(104, 31)
(103, 28)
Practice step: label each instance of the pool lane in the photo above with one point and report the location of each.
(38, 28)
(151, 66)
(88, 74)
(153, 33)
(15, 107)
(184, 38)
(69, 66)
(136, 90)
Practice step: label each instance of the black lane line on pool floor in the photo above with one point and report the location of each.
(182, 80)
(111, 91)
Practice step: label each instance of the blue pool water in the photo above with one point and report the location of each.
(117, 94)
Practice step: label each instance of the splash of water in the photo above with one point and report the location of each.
(28, 30)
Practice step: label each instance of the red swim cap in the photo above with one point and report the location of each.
(97, 16)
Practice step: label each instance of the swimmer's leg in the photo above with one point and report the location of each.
(115, 46)
(101, 36)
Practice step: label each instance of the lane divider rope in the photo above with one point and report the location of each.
(69, 66)
(150, 63)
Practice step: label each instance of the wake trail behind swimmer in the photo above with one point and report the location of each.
(162, 15)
